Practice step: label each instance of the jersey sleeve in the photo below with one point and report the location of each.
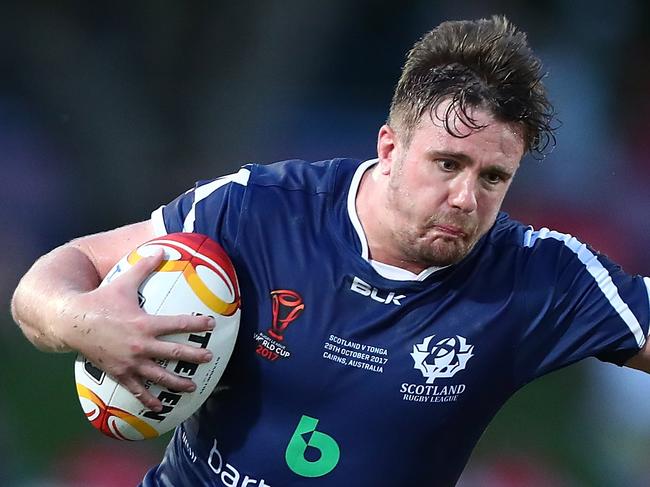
(582, 305)
(213, 208)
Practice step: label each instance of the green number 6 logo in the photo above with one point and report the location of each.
(295, 452)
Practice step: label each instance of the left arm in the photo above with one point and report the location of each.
(641, 361)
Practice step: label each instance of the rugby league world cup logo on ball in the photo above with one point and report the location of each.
(286, 307)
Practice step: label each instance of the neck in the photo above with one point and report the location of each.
(376, 219)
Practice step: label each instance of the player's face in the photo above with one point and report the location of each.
(444, 192)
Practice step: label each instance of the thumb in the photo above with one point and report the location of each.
(145, 266)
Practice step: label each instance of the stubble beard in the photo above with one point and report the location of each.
(415, 244)
(424, 245)
(422, 249)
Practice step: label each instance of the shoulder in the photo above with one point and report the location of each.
(290, 175)
(542, 252)
(300, 175)
(507, 231)
(512, 233)
(545, 252)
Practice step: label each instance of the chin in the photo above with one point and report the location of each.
(446, 254)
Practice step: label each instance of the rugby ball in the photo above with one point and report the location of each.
(196, 277)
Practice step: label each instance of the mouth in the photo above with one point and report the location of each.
(451, 231)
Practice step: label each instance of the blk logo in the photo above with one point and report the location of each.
(365, 289)
(306, 437)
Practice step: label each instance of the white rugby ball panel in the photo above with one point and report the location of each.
(196, 277)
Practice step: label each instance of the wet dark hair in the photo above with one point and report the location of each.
(484, 63)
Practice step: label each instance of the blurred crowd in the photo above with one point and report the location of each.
(108, 112)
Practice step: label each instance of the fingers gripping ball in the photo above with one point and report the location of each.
(195, 277)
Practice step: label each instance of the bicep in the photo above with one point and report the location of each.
(641, 361)
(106, 248)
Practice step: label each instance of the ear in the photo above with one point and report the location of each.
(386, 147)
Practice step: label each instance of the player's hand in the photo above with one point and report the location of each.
(110, 329)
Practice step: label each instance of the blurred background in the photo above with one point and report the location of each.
(108, 112)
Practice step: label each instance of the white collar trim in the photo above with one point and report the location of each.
(385, 270)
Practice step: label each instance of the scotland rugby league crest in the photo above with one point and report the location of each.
(443, 358)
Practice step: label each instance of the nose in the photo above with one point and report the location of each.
(462, 193)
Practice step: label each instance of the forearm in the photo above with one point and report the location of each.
(60, 306)
(39, 304)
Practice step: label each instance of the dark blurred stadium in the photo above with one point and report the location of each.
(108, 112)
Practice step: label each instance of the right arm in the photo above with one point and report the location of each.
(60, 307)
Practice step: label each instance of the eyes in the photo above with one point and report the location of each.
(448, 165)
(492, 177)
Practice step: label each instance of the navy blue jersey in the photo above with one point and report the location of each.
(347, 373)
